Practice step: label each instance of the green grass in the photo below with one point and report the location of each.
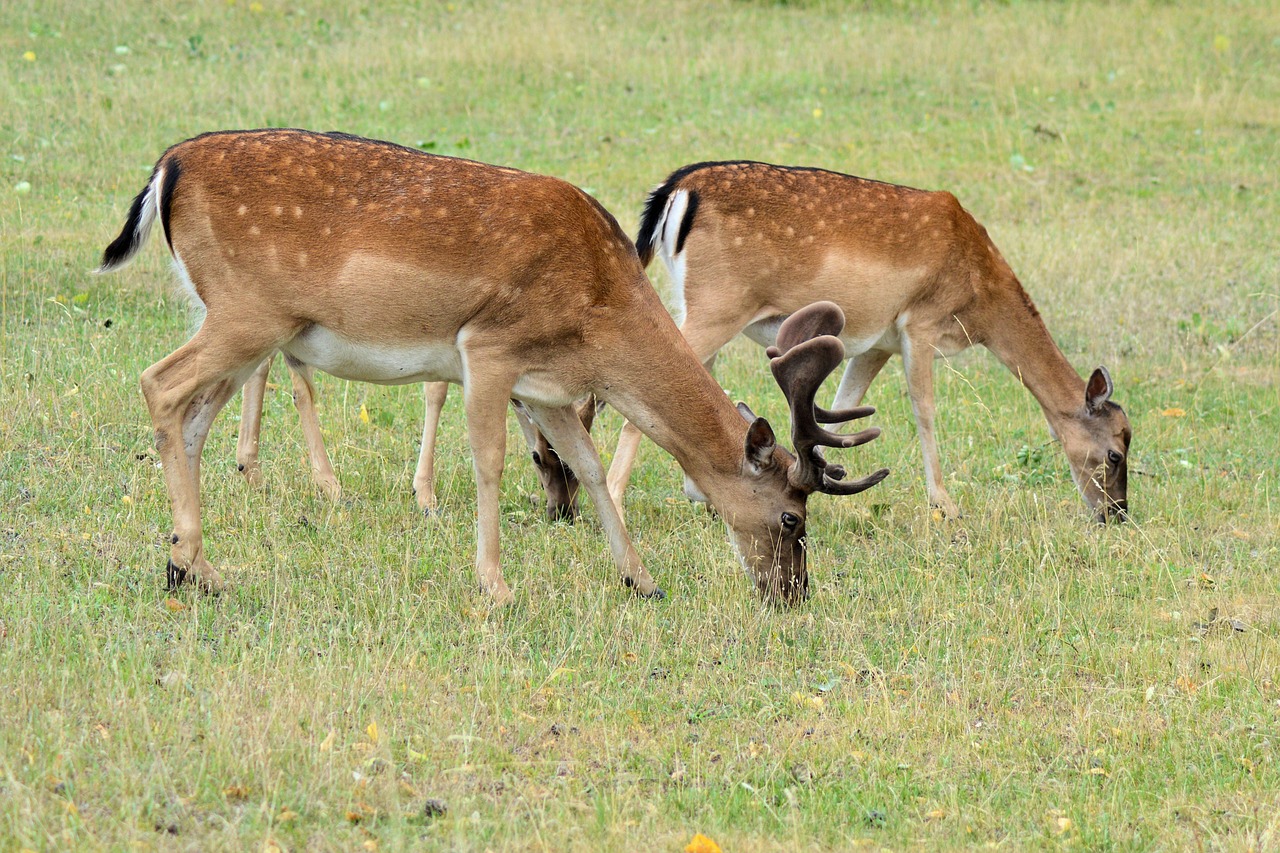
(1018, 677)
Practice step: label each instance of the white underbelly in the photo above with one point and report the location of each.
(384, 364)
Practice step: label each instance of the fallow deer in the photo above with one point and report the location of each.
(748, 243)
(559, 483)
(375, 262)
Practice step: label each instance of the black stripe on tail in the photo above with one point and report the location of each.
(656, 203)
(171, 171)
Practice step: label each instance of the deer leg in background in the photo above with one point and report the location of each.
(304, 399)
(424, 478)
(917, 357)
(859, 373)
(251, 423)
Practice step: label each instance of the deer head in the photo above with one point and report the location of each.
(559, 483)
(1096, 441)
(773, 549)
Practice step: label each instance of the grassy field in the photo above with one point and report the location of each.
(1017, 678)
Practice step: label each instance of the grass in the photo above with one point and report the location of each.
(1017, 678)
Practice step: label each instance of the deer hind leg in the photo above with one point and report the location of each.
(424, 478)
(566, 432)
(485, 398)
(184, 392)
(860, 372)
(706, 339)
(917, 356)
(255, 389)
(304, 399)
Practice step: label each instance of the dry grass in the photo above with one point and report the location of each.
(1015, 678)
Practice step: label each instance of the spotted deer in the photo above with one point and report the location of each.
(748, 243)
(378, 263)
(559, 483)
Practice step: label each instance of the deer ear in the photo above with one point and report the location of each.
(1098, 391)
(760, 444)
(745, 411)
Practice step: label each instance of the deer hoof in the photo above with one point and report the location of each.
(174, 576)
(252, 472)
(206, 579)
(655, 594)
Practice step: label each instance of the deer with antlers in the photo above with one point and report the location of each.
(559, 483)
(748, 243)
(379, 263)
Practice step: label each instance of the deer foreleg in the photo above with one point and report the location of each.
(486, 406)
(571, 440)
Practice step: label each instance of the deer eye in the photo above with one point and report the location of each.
(790, 520)
(1114, 458)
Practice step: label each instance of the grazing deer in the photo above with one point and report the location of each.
(378, 263)
(559, 483)
(748, 243)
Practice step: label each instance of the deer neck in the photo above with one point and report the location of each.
(657, 383)
(1019, 338)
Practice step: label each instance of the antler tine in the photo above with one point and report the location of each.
(806, 353)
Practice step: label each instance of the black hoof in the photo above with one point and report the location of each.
(174, 576)
(656, 595)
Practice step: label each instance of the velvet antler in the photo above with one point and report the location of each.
(806, 352)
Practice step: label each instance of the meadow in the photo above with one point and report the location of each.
(1018, 677)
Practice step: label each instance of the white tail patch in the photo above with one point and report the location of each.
(669, 230)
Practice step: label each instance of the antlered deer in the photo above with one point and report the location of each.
(378, 263)
(748, 243)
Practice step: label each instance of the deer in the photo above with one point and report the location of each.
(559, 483)
(747, 243)
(379, 263)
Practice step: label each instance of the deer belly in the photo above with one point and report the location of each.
(381, 363)
(765, 333)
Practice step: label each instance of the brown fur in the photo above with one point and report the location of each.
(914, 273)
(378, 262)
